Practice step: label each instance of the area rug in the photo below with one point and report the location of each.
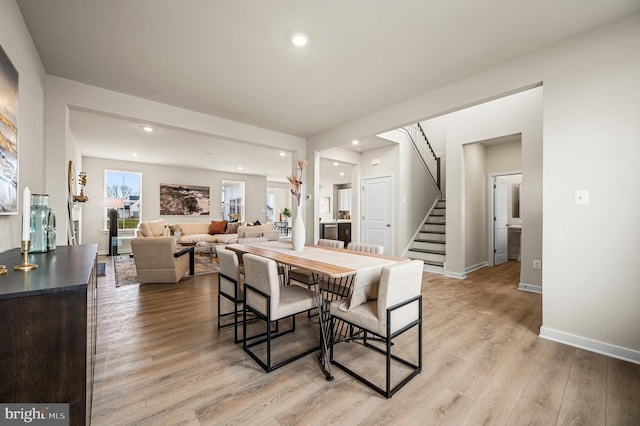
(125, 269)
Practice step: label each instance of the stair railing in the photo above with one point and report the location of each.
(429, 158)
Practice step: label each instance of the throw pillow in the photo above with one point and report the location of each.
(217, 227)
(257, 222)
(232, 228)
(174, 228)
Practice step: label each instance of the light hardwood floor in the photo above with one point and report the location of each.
(162, 361)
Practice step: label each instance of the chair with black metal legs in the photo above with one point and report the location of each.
(397, 310)
(231, 287)
(270, 302)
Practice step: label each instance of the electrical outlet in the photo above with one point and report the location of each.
(537, 264)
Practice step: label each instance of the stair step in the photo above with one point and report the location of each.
(434, 232)
(427, 240)
(436, 215)
(433, 227)
(429, 262)
(429, 251)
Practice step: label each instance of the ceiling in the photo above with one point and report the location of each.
(231, 59)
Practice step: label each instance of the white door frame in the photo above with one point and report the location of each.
(391, 201)
(490, 211)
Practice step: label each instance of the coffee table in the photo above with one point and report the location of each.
(199, 248)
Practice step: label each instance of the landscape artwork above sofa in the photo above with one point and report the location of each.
(184, 200)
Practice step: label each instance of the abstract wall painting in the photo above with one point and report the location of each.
(8, 136)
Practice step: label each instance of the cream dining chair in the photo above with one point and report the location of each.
(397, 310)
(271, 302)
(366, 248)
(230, 287)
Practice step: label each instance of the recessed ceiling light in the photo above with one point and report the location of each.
(355, 141)
(135, 154)
(282, 154)
(341, 173)
(299, 39)
(335, 163)
(147, 129)
(239, 167)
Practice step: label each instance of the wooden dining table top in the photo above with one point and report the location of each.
(310, 257)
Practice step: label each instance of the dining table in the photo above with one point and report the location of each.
(338, 274)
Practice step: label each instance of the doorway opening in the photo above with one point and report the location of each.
(504, 218)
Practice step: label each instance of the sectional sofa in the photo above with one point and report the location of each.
(212, 233)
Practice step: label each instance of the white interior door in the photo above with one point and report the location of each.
(377, 202)
(500, 212)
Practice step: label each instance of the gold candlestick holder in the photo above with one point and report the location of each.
(3, 269)
(26, 266)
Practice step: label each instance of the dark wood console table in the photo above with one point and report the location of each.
(48, 329)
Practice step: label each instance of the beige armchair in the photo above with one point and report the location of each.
(157, 260)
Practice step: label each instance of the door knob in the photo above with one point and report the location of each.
(388, 225)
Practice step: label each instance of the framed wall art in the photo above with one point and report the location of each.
(8, 136)
(184, 200)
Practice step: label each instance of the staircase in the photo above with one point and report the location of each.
(429, 244)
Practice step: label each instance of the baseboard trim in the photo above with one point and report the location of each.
(458, 275)
(530, 287)
(607, 349)
(475, 267)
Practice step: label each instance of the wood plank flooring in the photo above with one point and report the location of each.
(162, 361)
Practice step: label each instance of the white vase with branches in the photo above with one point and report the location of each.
(298, 238)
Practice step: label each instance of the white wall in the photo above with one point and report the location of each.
(504, 157)
(591, 133)
(518, 113)
(152, 176)
(475, 205)
(591, 106)
(18, 46)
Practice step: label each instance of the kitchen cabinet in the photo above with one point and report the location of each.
(336, 231)
(344, 233)
(48, 329)
(344, 199)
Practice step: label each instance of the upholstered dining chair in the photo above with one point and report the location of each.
(270, 302)
(256, 240)
(397, 310)
(366, 248)
(230, 287)
(157, 260)
(331, 243)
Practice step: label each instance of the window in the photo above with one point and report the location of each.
(271, 206)
(232, 200)
(123, 193)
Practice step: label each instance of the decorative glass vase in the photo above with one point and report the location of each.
(40, 223)
(298, 239)
(51, 229)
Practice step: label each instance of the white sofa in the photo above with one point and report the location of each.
(192, 233)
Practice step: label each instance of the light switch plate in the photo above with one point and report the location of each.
(582, 198)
